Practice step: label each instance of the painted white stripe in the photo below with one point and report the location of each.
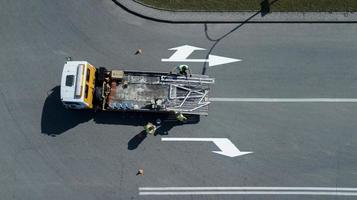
(191, 139)
(248, 188)
(183, 60)
(287, 100)
(253, 193)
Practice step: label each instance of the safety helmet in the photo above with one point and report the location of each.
(183, 67)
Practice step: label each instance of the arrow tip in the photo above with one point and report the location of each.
(220, 60)
(233, 154)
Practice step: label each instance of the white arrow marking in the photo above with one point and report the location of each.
(183, 60)
(219, 60)
(183, 52)
(225, 145)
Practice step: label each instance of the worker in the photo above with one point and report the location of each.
(150, 128)
(182, 70)
(180, 117)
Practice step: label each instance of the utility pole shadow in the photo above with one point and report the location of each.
(264, 10)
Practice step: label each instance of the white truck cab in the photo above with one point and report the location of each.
(77, 85)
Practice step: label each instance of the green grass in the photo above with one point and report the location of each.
(239, 5)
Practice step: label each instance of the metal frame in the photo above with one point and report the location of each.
(189, 95)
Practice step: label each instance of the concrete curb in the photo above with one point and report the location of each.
(166, 16)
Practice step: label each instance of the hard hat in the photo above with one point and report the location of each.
(183, 66)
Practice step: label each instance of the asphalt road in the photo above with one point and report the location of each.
(47, 152)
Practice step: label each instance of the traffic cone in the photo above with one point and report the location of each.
(140, 172)
(139, 51)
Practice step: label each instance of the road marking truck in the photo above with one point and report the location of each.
(85, 87)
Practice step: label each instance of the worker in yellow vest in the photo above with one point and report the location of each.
(182, 70)
(180, 117)
(150, 128)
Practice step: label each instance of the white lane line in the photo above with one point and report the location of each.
(252, 193)
(323, 191)
(190, 139)
(287, 100)
(249, 188)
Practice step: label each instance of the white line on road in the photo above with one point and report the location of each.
(330, 191)
(287, 100)
(251, 188)
(252, 192)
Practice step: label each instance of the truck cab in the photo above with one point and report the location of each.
(77, 85)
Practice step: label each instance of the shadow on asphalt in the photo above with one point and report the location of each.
(264, 10)
(136, 140)
(56, 120)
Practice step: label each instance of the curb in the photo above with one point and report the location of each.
(183, 10)
(166, 16)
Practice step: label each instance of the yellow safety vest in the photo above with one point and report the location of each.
(181, 117)
(150, 128)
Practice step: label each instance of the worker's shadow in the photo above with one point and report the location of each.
(167, 123)
(56, 120)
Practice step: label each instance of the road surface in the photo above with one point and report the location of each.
(47, 152)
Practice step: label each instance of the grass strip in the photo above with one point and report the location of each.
(254, 5)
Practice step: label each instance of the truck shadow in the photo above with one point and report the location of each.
(56, 120)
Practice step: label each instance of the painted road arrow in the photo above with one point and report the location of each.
(183, 52)
(224, 144)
